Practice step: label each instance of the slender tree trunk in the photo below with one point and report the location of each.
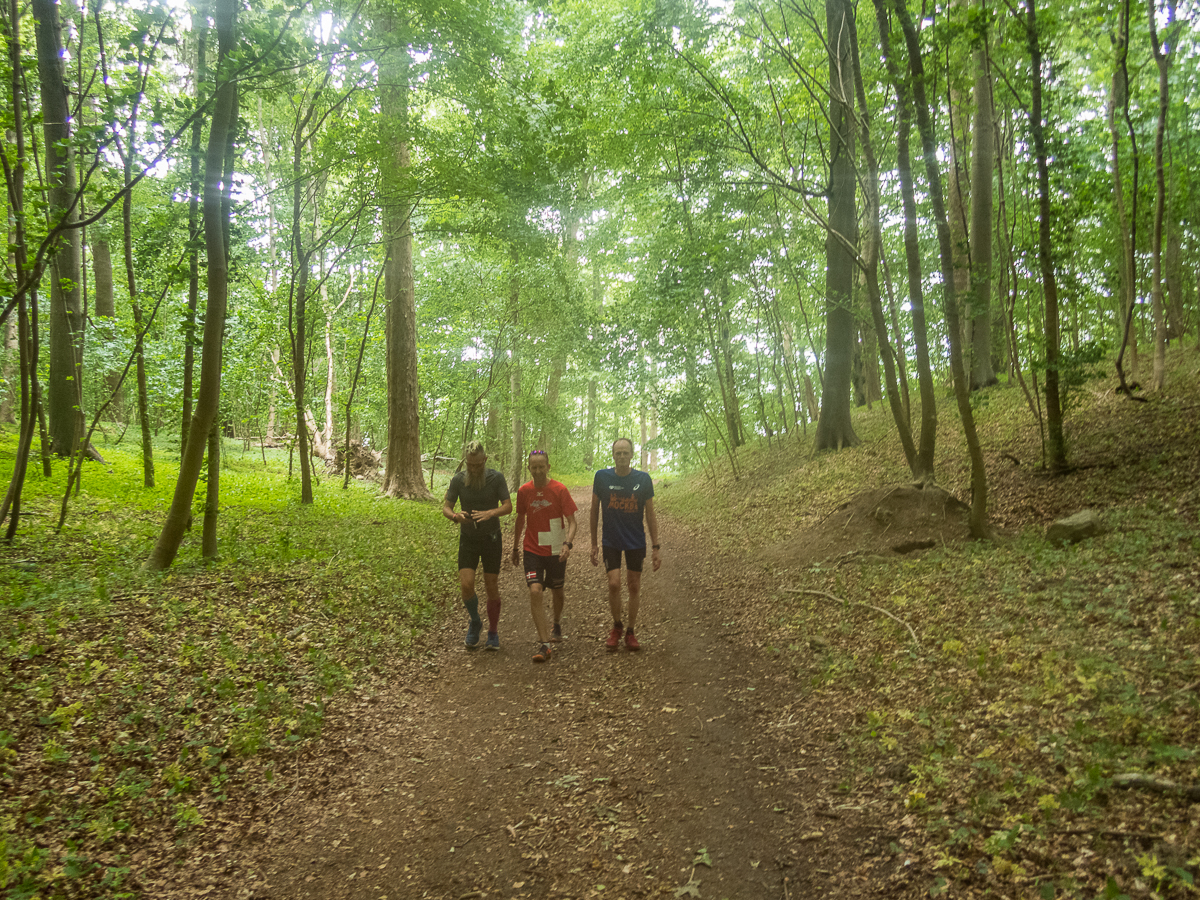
(212, 493)
(834, 428)
(298, 309)
(924, 466)
(979, 493)
(217, 182)
(196, 154)
(1128, 329)
(1054, 419)
(958, 200)
(66, 304)
(983, 159)
(558, 363)
(143, 398)
(7, 404)
(516, 462)
(872, 252)
(1126, 288)
(1157, 304)
(106, 310)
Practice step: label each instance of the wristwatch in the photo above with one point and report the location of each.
(570, 546)
(656, 546)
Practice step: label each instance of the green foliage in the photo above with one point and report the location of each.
(1042, 672)
(145, 697)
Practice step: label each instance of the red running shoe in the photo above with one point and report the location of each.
(614, 639)
(543, 654)
(631, 642)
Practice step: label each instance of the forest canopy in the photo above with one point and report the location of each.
(386, 230)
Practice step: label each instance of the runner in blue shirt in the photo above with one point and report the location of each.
(625, 494)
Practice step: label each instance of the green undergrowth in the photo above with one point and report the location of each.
(1032, 676)
(134, 704)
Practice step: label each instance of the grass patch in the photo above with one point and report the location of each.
(1042, 673)
(135, 702)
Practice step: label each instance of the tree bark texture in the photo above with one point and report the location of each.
(834, 428)
(196, 154)
(1157, 304)
(66, 302)
(922, 466)
(983, 158)
(402, 470)
(1054, 418)
(143, 398)
(979, 492)
(516, 462)
(217, 182)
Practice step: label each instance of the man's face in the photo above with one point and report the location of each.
(622, 454)
(539, 469)
(476, 463)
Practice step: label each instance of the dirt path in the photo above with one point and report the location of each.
(689, 769)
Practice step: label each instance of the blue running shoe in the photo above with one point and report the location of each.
(473, 635)
(493, 641)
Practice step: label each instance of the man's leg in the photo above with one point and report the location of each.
(491, 584)
(634, 580)
(558, 598)
(614, 593)
(466, 584)
(537, 607)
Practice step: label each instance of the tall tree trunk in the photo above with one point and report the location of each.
(979, 492)
(189, 319)
(7, 400)
(1173, 273)
(923, 465)
(106, 308)
(558, 362)
(217, 182)
(1126, 286)
(834, 428)
(212, 493)
(66, 303)
(1054, 418)
(958, 201)
(143, 398)
(516, 461)
(983, 158)
(1157, 304)
(402, 470)
(298, 309)
(1128, 329)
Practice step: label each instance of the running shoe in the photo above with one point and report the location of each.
(614, 639)
(631, 642)
(473, 630)
(543, 654)
(556, 635)
(493, 641)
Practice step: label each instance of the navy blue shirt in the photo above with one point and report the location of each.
(622, 504)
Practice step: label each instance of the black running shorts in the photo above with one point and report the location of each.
(487, 547)
(633, 559)
(548, 571)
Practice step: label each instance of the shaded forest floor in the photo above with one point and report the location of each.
(815, 713)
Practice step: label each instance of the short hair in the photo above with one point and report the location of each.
(541, 453)
(474, 448)
(632, 448)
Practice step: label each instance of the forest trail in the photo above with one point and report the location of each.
(692, 768)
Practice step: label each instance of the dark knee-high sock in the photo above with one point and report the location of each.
(493, 611)
(472, 605)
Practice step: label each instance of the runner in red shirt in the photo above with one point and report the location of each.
(549, 510)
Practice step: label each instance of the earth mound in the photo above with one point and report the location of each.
(888, 523)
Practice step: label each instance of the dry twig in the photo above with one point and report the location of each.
(836, 599)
